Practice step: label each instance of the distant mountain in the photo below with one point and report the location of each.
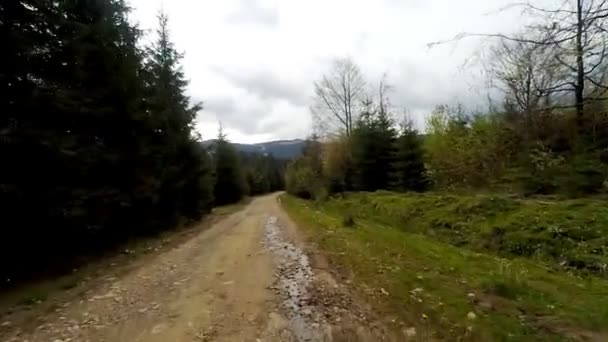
(280, 149)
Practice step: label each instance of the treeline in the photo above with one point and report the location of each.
(517, 147)
(504, 151)
(241, 174)
(373, 154)
(546, 133)
(97, 135)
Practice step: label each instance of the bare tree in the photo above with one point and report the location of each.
(522, 73)
(336, 96)
(577, 35)
(525, 74)
(384, 88)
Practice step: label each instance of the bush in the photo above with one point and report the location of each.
(348, 221)
(545, 169)
(579, 175)
(584, 175)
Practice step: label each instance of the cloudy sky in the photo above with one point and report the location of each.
(253, 62)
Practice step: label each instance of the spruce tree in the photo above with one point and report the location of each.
(264, 173)
(177, 164)
(27, 32)
(230, 182)
(410, 172)
(373, 147)
(71, 125)
(384, 140)
(363, 152)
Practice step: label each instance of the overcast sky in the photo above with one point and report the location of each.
(253, 62)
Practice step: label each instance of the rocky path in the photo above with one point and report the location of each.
(244, 279)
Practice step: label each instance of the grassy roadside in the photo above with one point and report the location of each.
(44, 292)
(569, 235)
(449, 292)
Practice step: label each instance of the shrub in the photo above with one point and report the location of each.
(348, 221)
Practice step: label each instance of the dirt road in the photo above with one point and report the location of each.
(244, 279)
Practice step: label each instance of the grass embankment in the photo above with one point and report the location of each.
(470, 267)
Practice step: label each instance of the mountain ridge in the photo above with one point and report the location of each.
(280, 149)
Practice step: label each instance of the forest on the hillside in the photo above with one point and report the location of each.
(545, 134)
(97, 136)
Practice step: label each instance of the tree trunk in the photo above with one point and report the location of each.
(579, 90)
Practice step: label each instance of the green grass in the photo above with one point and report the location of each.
(568, 234)
(435, 279)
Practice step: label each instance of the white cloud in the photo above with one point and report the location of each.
(252, 62)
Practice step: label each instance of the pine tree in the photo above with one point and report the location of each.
(196, 195)
(384, 140)
(363, 151)
(373, 147)
(179, 169)
(410, 172)
(27, 30)
(230, 182)
(70, 127)
(97, 145)
(264, 173)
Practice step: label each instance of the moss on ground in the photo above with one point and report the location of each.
(435, 261)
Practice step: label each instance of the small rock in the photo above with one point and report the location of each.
(471, 315)
(158, 328)
(471, 295)
(410, 332)
(486, 305)
(383, 291)
(6, 324)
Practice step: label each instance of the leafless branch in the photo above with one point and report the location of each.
(336, 95)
